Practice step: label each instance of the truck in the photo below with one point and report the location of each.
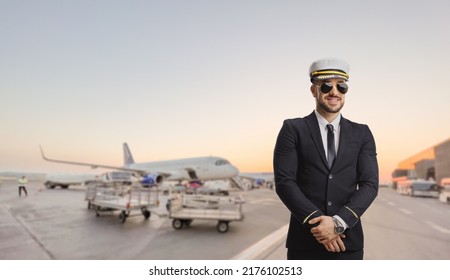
(444, 196)
(64, 180)
(419, 188)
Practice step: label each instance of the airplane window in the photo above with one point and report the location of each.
(222, 162)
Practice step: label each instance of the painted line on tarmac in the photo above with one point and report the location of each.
(29, 231)
(406, 211)
(265, 246)
(438, 228)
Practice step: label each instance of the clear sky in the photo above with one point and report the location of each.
(202, 77)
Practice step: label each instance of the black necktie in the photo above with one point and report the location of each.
(331, 148)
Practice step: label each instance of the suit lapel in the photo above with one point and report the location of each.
(314, 129)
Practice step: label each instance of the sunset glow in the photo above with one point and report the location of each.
(194, 78)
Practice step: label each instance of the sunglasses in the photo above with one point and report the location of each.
(327, 87)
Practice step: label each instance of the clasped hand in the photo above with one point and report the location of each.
(324, 234)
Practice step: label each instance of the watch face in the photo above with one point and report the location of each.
(338, 228)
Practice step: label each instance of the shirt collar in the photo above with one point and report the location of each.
(323, 122)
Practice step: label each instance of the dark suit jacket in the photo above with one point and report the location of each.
(310, 189)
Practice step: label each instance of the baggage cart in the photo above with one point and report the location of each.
(183, 209)
(123, 197)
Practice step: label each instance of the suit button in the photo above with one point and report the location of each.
(330, 176)
(329, 203)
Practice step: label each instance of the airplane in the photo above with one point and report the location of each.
(197, 168)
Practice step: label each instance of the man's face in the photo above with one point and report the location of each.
(331, 102)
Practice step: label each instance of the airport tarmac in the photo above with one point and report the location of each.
(56, 224)
(398, 227)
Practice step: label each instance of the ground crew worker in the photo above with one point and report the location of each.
(22, 185)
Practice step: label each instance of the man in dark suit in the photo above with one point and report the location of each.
(326, 172)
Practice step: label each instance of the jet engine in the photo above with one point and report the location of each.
(150, 180)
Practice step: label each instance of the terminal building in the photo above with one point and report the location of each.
(430, 164)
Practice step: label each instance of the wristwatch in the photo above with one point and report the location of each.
(338, 227)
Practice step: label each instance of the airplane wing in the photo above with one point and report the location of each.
(93, 165)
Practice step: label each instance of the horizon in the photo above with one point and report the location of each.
(73, 169)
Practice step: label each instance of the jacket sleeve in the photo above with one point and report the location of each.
(285, 164)
(367, 176)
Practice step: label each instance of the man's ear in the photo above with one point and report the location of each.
(314, 93)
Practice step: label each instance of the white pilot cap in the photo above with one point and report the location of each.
(329, 68)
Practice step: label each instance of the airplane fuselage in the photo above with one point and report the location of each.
(199, 168)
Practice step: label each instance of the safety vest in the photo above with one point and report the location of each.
(22, 182)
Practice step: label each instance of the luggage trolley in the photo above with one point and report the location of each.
(185, 208)
(123, 197)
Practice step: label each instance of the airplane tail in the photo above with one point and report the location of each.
(127, 156)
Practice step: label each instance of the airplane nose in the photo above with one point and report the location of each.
(234, 171)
